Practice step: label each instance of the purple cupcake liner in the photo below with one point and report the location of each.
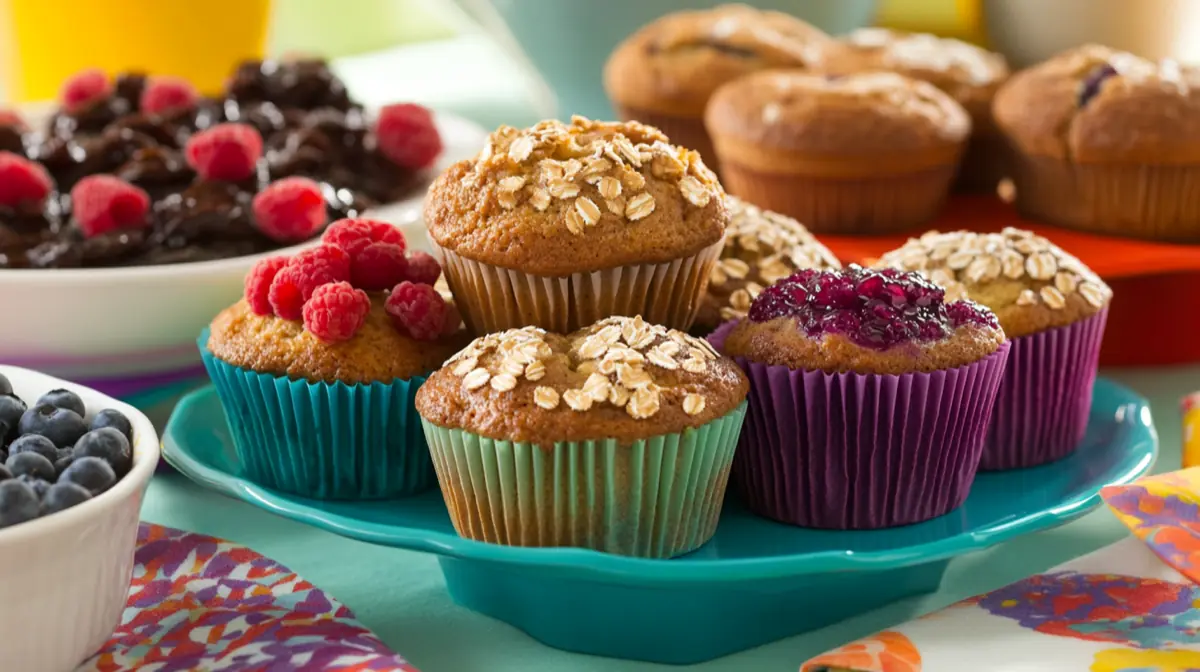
(1042, 407)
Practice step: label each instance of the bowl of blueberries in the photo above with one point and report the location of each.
(75, 466)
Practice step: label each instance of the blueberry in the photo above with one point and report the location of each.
(34, 443)
(11, 409)
(5, 474)
(18, 503)
(64, 460)
(91, 473)
(62, 496)
(65, 399)
(113, 418)
(38, 485)
(108, 444)
(62, 426)
(5, 385)
(32, 464)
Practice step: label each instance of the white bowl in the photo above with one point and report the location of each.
(143, 320)
(64, 579)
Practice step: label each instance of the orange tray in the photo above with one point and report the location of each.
(1155, 315)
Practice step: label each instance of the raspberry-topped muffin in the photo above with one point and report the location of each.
(1052, 307)
(622, 407)
(560, 225)
(347, 331)
(861, 380)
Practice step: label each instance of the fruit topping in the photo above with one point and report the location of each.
(227, 151)
(290, 210)
(352, 235)
(407, 135)
(60, 425)
(336, 312)
(418, 310)
(258, 284)
(873, 308)
(167, 94)
(378, 266)
(303, 274)
(423, 268)
(1090, 86)
(84, 88)
(11, 119)
(103, 203)
(22, 181)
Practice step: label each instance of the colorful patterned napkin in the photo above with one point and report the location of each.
(199, 603)
(1133, 606)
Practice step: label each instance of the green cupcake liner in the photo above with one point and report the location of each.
(658, 497)
(324, 440)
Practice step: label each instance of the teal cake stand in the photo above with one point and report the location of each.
(755, 582)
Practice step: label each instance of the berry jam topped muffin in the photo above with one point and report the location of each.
(864, 153)
(969, 74)
(761, 248)
(665, 73)
(871, 398)
(645, 414)
(1052, 307)
(560, 225)
(1106, 141)
(325, 343)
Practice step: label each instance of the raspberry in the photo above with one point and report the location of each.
(453, 319)
(303, 274)
(22, 180)
(352, 235)
(258, 283)
(407, 135)
(167, 94)
(12, 120)
(386, 232)
(336, 312)
(225, 152)
(417, 310)
(378, 266)
(84, 88)
(289, 210)
(103, 203)
(423, 268)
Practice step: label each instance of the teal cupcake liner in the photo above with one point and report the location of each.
(657, 498)
(324, 440)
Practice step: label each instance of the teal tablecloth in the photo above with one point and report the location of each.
(402, 597)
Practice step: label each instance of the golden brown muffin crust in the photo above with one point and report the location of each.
(862, 123)
(1031, 284)
(280, 347)
(674, 64)
(1146, 112)
(619, 378)
(761, 248)
(781, 342)
(557, 199)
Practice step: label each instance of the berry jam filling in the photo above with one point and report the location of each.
(1090, 86)
(875, 309)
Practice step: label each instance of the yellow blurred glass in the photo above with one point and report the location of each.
(1191, 431)
(45, 41)
(949, 18)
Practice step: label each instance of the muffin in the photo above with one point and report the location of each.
(869, 398)
(761, 248)
(665, 73)
(969, 74)
(1107, 142)
(867, 153)
(1051, 306)
(318, 364)
(617, 437)
(561, 225)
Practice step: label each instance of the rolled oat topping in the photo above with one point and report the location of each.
(618, 361)
(959, 260)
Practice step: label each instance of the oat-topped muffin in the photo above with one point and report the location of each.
(761, 248)
(560, 225)
(620, 408)
(1106, 141)
(969, 74)
(864, 153)
(1052, 307)
(665, 73)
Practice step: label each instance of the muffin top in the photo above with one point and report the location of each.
(761, 248)
(558, 198)
(864, 321)
(619, 378)
(1030, 283)
(1098, 104)
(968, 73)
(673, 65)
(782, 120)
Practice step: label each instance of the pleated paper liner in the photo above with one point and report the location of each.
(324, 440)
(658, 498)
(493, 299)
(686, 132)
(1042, 407)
